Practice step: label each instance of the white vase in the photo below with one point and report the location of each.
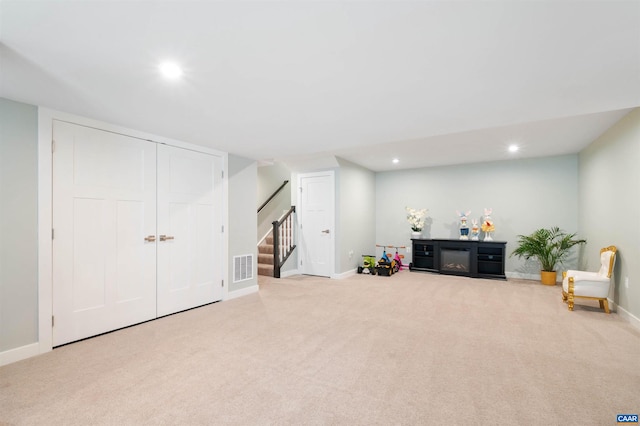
(416, 235)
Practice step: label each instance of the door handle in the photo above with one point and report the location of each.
(326, 231)
(166, 237)
(150, 238)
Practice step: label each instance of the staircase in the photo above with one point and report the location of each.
(265, 256)
(276, 248)
(278, 245)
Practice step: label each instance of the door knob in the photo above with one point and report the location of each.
(166, 237)
(326, 231)
(150, 238)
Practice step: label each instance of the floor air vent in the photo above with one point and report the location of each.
(242, 267)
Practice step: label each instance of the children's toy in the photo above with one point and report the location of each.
(388, 266)
(398, 257)
(385, 268)
(368, 265)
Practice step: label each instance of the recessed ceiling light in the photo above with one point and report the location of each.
(395, 161)
(513, 148)
(170, 70)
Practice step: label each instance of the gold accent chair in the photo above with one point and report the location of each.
(590, 285)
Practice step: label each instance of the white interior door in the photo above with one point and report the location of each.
(189, 229)
(104, 206)
(317, 222)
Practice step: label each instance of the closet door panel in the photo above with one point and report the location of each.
(104, 206)
(189, 218)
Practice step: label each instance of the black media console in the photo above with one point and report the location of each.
(476, 259)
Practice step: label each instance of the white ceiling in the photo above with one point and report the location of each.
(429, 82)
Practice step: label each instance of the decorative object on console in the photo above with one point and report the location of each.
(464, 228)
(590, 285)
(416, 218)
(550, 247)
(487, 225)
(475, 229)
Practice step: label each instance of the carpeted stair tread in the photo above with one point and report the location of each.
(266, 270)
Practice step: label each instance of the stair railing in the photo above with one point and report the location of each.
(283, 240)
(273, 195)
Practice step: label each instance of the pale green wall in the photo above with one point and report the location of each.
(271, 178)
(243, 181)
(609, 203)
(355, 214)
(18, 225)
(524, 194)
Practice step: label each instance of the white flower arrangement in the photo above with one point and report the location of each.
(416, 218)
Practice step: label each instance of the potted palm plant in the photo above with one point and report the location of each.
(550, 247)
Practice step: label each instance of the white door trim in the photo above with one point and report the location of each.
(332, 177)
(46, 117)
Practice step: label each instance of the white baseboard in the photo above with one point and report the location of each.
(522, 276)
(343, 275)
(290, 273)
(633, 320)
(265, 236)
(285, 274)
(242, 292)
(18, 354)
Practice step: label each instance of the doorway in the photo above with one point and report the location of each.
(316, 204)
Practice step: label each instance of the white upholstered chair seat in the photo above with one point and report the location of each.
(590, 285)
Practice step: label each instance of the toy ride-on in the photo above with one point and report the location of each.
(368, 265)
(388, 266)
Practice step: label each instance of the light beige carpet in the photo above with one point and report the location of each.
(414, 349)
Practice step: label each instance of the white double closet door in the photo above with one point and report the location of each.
(137, 231)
